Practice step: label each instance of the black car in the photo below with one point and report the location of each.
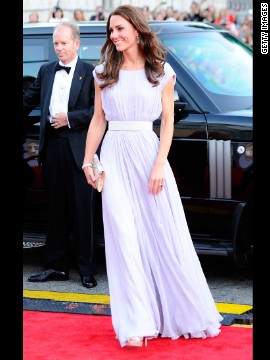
(212, 149)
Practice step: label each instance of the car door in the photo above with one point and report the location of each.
(213, 132)
(37, 50)
(188, 155)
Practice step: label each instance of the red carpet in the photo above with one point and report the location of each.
(61, 336)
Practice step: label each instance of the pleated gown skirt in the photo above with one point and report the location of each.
(156, 283)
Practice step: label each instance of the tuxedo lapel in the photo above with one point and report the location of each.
(76, 84)
(48, 80)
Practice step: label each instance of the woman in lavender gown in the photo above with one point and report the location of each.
(156, 283)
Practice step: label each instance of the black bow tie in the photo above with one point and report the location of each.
(60, 67)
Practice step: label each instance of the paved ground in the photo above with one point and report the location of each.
(226, 285)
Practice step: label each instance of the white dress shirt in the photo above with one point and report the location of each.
(61, 89)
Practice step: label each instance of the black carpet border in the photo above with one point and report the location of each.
(104, 309)
(66, 307)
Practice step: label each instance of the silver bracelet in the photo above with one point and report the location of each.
(86, 165)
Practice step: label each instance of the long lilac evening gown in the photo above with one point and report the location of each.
(156, 282)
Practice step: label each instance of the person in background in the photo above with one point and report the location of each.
(224, 16)
(147, 13)
(159, 12)
(156, 282)
(170, 14)
(226, 19)
(65, 91)
(99, 15)
(208, 13)
(245, 31)
(33, 17)
(56, 15)
(160, 15)
(78, 15)
(32, 148)
(195, 13)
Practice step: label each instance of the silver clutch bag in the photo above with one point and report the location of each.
(98, 172)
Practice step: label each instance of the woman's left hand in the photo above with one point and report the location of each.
(157, 179)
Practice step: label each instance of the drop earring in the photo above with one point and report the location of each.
(138, 39)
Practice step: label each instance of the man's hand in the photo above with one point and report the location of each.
(59, 120)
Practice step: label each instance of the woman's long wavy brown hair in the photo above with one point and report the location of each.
(151, 46)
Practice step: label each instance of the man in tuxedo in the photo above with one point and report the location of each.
(65, 91)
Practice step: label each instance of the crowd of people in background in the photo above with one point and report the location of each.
(241, 27)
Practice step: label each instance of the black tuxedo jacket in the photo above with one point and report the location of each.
(80, 105)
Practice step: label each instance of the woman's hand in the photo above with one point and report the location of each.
(90, 177)
(157, 179)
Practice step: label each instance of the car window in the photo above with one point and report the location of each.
(218, 61)
(35, 53)
(90, 49)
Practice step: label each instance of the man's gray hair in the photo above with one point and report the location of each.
(75, 30)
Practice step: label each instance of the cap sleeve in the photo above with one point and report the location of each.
(98, 69)
(169, 72)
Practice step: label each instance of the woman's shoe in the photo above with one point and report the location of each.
(136, 341)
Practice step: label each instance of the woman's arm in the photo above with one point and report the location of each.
(157, 176)
(95, 134)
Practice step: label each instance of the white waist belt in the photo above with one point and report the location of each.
(130, 125)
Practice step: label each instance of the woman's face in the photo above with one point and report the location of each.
(122, 33)
(58, 14)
